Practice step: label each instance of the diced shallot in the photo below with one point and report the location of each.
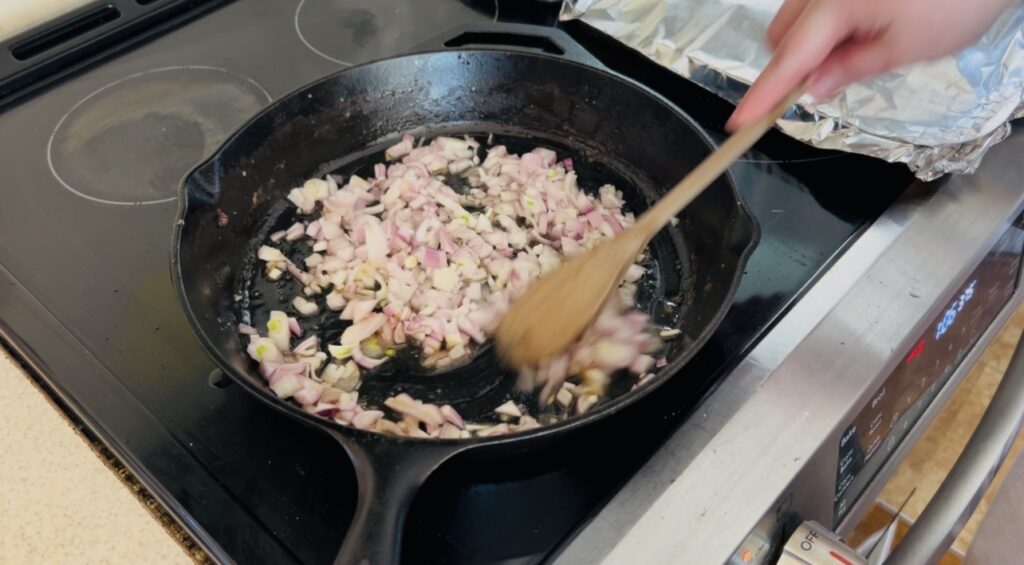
(246, 329)
(305, 307)
(452, 417)
(410, 262)
(405, 405)
(585, 403)
(500, 429)
(509, 409)
(367, 419)
(294, 232)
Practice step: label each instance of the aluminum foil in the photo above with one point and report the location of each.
(938, 117)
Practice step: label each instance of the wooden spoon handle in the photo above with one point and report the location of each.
(711, 168)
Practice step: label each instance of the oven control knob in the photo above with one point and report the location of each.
(814, 544)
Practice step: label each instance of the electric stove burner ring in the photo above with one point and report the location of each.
(350, 32)
(131, 141)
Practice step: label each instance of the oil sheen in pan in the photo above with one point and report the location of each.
(661, 291)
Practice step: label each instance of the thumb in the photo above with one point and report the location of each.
(850, 63)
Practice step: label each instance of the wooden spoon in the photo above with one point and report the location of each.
(556, 309)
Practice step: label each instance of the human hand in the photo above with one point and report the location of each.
(836, 42)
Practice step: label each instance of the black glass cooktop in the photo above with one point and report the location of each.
(91, 167)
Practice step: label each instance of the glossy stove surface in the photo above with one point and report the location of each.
(92, 167)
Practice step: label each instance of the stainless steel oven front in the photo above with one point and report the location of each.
(815, 420)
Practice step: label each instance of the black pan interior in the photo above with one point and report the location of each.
(615, 132)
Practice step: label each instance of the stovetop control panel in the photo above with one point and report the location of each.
(895, 407)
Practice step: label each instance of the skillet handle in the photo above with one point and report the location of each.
(513, 37)
(390, 473)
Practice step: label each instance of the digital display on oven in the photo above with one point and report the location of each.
(871, 438)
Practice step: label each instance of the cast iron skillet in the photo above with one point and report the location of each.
(526, 85)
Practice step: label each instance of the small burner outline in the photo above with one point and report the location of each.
(56, 129)
(306, 42)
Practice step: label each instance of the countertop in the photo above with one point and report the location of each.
(18, 15)
(59, 502)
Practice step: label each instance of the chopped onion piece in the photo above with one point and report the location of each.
(400, 149)
(585, 403)
(362, 329)
(305, 307)
(452, 417)
(642, 364)
(500, 429)
(309, 393)
(367, 419)
(286, 386)
(278, 330)
(364, 360)
(450, 431)
(270, 254)
(307, 347)
(564, 397)
(509, 409)
(445, 280)
(413, 263)
(264, 350)
(246, 329)
(405, 405)
(295, 231)
(527, 423)
(336, 301)
(341, 351)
